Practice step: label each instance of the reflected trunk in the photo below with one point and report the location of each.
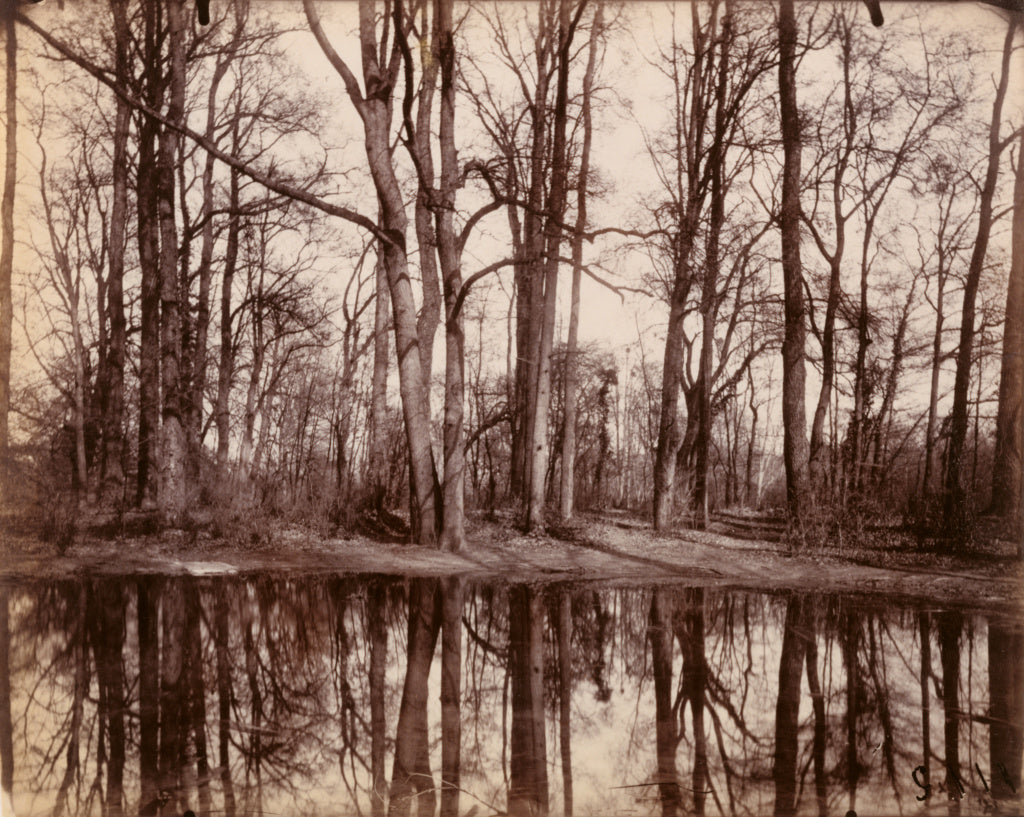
(149, 690)
(107, 612)
(950, 624)
(172, 695)
(195, 693)
(224, 695)
(924, 628)
(77, 650)
(411, 778)
(378, 725)
(6, 724)
(820, 723)
(659, 633)
(787, 710)
(528, 781)
(451, 678)
(565, 695)
(690, 632)
(1006, 677)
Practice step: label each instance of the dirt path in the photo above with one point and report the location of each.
(616, 549)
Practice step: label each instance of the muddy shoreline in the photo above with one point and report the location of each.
(608, 550)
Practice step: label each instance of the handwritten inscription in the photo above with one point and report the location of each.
(957, 790)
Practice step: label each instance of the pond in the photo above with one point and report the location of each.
(341, 695)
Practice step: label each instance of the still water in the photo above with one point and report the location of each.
(270, 695)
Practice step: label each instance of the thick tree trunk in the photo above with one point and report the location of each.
(794, 411)
(539, 447)
(171, 491)
(956, 512)
(1008, 470)
(149, 251)
(670, 433)
(453, 534)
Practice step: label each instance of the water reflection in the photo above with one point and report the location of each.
(341, 696)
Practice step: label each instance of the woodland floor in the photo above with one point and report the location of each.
(886, 567)
(738, 552)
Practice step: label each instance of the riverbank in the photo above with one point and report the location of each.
(608, 548)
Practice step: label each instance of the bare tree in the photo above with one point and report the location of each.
(957, 511)
(1008, 471)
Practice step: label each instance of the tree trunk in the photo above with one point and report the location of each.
(377, 453)
(539, 448)
(226, 364)
(568, 482)
(956, 512)
(149, 251)
(1008, 469)
(453, 534)
(7, 224)
(171, 491)
(794, 411)
(114, 360)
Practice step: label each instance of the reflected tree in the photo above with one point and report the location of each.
(411, 777)
(528, 782)
(1006, 679)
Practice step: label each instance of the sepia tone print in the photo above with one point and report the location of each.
(562, 407)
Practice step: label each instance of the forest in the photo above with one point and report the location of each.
(377, 266)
